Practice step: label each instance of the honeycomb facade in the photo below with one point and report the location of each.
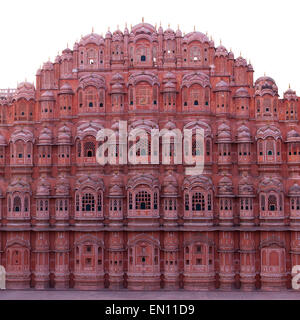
(68, 222)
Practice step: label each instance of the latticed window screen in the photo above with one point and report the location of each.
(155, 201)
(143, 95)
(17, 204)
(209, 206)
(195, 54)
(270, 148)
(89, 149)
(186, 202)
(77, 202)
(143, 201)
(198, 202)
(88, 202)
(79, 148)
(130, 201)
(197, 147)
(99, 203)
(26, 204)
(263, 202)
(272, 203)
(295, 203)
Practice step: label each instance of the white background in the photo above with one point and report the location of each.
(264, 31)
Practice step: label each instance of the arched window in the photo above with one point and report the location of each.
(89, 149)
(91, 57)
(17, 204)
(198, 203)
(91, 97)
(270, 148)
(263, 202)
(195, 54)
(143, 200)
(26, 204)
(88, 202)
(272, 203)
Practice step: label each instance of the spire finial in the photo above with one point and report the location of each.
(289, 86)
(168, 25)
(130, 27)
(126, 25)
(240, 53)
(264, 74)
(178, 27)
(220, 42)
(194, 28)
(155, 26)
(92, 29)
(143, 20)
(68, 45)
(160, 23)
(108, 28)
(117, 27)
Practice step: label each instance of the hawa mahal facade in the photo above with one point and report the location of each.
(67, 222)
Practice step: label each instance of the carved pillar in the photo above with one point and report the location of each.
(116, 260)
(226, 255)
(247, 261)
(61, 272)
(171, 260)
(41, 270)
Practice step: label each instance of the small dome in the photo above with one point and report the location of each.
(126, 31)
(169, 87)
(224, 133)
(231, 55)
(92, 38)
(169, 76)
(246, 187)
(47, 96)
(62, 186)
(221, 51)
(45, 136)
(243, 134)
(240, 62)
(117, 88)
(108, 34)
(57, 59)
(195, 36)
(48, 66)
(290, 95)
(117, 77)
(67, 54)
(294, 190)
(116, 185)
(26, 91)
(293, 135)
(66, 89)
(178, 33)
(170, 185)
(241, 93)
(250, 67)
(222, 86)
(64, 135)
(265, 85)
(225, 186)
(43, 187)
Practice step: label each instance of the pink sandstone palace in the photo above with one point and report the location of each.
(67, 222)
